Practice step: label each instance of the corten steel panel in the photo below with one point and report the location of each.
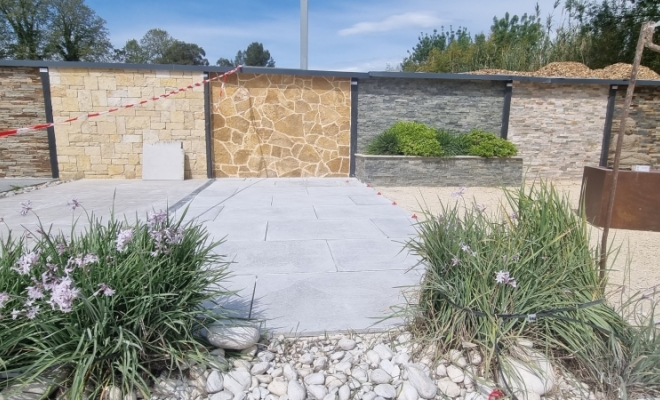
(636, 203)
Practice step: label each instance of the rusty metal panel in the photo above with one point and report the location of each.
(637, 201)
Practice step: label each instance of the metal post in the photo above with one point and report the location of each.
(48, 105)
(645, 39)
(354, 125)
(506, 110)
(208, 117)
(304, 32)
(607, 131)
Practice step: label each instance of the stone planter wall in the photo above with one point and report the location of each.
(438, 171)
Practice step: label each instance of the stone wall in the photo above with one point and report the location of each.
(22, 104)
(558, 128)
(438, 171)
(458, 105)
(642, 140)
(281, 126)
(110, 146)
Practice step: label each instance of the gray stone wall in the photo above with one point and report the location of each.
(558, 128)
(458, 105)
(438, 171)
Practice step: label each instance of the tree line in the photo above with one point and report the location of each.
(596, 33)
(69, 30)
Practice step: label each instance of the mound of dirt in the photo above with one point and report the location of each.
(571, 69)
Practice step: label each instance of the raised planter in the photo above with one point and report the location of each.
(635, 204)
(438, 171)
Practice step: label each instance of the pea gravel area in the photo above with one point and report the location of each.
(637, 264)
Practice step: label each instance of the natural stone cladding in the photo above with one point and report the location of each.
(558, 128)
(281, 126)
(438, 171)
(457, 105)
(22, 104)
(644, 127)
(110, 146)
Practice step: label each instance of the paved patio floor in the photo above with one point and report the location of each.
(311, 255)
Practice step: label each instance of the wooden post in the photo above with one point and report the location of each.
(645, 40)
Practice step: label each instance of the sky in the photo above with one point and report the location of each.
(344, 35)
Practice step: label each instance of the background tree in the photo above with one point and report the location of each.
(78, 34)
(29, 24)
(131, 53)
(182, 53)
(5, 38)
(155, 42)
(255, 55)
(224, 62)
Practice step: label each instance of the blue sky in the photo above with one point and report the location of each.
(344, 35)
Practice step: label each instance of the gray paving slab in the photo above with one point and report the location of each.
(279, 257)
(356, 211)
(323, 229)
(14, 183)
(402, 228)
(325, 302)
(341, 191)
(371, 255)
(367, 199)
(249, 214)
(238, 230)
(289, 199)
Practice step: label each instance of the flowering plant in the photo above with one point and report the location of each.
(111, 305)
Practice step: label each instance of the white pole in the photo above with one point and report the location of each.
(303, 33)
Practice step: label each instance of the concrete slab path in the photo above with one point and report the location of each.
(311, 255)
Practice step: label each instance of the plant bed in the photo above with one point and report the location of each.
(397, 170)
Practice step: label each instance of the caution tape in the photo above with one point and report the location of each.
(131, 105)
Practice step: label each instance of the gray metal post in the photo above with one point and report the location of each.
(304, 33)
(607, 130)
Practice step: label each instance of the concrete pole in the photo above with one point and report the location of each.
(304, 33)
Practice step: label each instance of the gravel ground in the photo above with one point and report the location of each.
(639, 250)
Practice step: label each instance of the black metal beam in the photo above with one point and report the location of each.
(208, 118)
(607, 130)
(48, 105)
(506, 110)
(354, 125)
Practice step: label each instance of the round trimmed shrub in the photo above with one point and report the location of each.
(416, 139)
(486, 144)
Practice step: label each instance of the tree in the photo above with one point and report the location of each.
(5, 38)
(255, 55)
(224, 62)
(78, 34)
(155, 42)
(131, 53)
(28, 21)
(182, 53)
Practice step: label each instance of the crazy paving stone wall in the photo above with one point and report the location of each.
(22, 104)
(641, 145)
(558, 128)
(281, 126)
(110, 146)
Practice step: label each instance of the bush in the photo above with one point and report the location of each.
(110, 306)
(453, 144)
(416, 139)
(534, 260)
(385, 143)
(485, 144)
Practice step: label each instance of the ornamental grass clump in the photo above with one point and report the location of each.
(525, 271)
(110, 306)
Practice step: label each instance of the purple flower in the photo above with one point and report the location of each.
(459, 193)
(34, 292)
(26, 207)
(123, 238)
(15, 313)
(26, 262)
(513, 215)
(61, 247)
(107, 290)
(455, 261)
(505, 278)
(156, 218)
(81, 261)
(74, 203)
(62, 295)
(174, 236)
(480, 207)
(467, 249)
(4, 297)
(32, 312)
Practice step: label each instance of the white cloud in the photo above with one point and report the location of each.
(394, 22)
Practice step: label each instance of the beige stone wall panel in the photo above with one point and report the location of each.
(558, 128)
(281, 126)
(110, 146)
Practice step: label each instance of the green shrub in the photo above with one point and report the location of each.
(416, 139)
(111, 306)
(385, 143)
(534, 260)
(486, 144)
(453, 144)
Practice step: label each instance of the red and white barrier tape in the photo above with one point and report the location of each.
(142, 102)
